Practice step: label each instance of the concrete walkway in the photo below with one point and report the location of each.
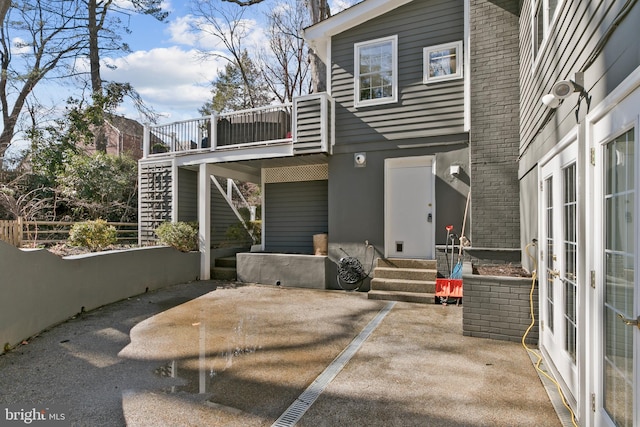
(211, 354)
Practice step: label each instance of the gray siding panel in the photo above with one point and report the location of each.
(579, 28)
(222, 217)
(422, 110)
(294, 212)
(187, 195)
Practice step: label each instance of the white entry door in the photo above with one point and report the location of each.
(409, 208)
(559, 284)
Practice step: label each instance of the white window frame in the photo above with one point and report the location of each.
(394, 58)
(428, 51)
(548, 22)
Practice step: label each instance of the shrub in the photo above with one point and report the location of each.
(95, 235)
(180, 235)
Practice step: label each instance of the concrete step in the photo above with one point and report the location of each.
(422, 298)
(378, 284)
(224, 273)
(429, 264)
(405, 273)
(229, 262)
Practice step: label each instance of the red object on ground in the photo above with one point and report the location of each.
(449, 288)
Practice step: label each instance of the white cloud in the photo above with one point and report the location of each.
(340, 5)
(168, 79)
(180, 31)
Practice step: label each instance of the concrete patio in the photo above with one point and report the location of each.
(210, 353)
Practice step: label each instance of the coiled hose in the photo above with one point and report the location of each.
(351, 273)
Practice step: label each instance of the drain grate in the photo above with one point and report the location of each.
(298, 408)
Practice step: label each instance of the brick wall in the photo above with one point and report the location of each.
(494, 134)
(498, 307)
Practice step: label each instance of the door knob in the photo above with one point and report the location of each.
(630, 322)
(554, 273)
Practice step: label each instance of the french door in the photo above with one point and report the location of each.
(616, 258)
(558, 269)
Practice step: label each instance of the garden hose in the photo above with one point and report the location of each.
(351, 273)
(533, 321)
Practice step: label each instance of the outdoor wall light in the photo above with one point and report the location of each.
(360, 160)
(550, 101)
(564, 89)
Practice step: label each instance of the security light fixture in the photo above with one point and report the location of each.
(550, 101)
(564, 89)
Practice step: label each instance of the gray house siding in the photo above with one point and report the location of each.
(187, 195)
(494, 136)
(580, 27)
(222, 216)
(356, 197)
(422, 110)
(294, 212)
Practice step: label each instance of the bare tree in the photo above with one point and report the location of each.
(37, 36)
(285, 67)
(230, 28)
(318, 11)
(4, 8)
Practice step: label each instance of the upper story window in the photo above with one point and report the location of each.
(543, 13)
(442, 62)
(376, 71)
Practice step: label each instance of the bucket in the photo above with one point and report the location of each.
(320, 244)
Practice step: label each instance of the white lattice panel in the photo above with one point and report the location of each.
(297, 173)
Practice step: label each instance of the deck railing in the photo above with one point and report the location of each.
(307, 117)
(258, 125)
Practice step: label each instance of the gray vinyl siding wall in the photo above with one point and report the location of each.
(187, 195)
(222, 216)
(294, 212)
(579, 28)
(309, 125)
(422, 110)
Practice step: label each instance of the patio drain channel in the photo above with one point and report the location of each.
(298, 408)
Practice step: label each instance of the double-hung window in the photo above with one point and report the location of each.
(376, 71)
(543, 14)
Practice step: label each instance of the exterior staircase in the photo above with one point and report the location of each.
(410, 280)
(224, 269)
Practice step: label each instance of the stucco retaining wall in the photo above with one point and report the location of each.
(39, 289)
(290, 270)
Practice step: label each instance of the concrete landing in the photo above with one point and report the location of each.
(239, 356)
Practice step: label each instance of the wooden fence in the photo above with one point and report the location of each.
(32, 233)
(11, 232)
